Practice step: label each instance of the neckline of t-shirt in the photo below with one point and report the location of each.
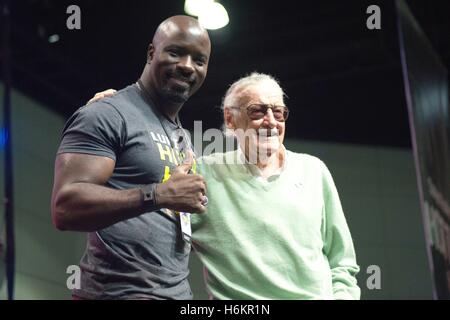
(148, 100)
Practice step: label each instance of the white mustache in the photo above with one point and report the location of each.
(263, 132)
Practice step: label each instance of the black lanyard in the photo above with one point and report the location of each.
(159, 115)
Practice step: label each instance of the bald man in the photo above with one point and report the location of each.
(110, 169)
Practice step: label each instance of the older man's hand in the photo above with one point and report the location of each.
(101, 95)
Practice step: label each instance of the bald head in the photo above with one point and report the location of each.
(180, 25)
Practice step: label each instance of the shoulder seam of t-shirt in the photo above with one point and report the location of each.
(99, 153)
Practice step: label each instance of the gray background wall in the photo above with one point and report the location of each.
(42, 253)
(377, 188)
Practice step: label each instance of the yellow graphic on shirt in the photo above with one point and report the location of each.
(169, 154)
(166, 174)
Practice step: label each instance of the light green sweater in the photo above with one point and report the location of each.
(281, 238)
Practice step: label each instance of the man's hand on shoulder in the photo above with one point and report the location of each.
(101, 95)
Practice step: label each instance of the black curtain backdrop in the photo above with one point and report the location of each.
(426, 86)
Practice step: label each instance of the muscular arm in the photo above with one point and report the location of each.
(81, 202)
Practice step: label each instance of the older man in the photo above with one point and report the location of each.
(274, 227)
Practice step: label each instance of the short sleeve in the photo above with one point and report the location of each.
(97, 129)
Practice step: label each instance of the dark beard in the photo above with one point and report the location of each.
(176, 96)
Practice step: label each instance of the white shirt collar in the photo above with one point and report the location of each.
(255, 171)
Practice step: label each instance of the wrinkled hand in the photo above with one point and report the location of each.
(101, 95)
(183, 191)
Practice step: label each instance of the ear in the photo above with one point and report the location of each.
(150, 53)
(228, 116)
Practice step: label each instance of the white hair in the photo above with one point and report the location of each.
(233, 94)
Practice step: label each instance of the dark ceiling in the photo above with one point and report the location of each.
(344, 81)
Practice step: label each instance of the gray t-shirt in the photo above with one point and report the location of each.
(146, 256)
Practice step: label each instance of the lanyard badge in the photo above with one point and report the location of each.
(185, 221)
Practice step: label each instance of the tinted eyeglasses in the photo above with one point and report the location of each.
(258, 111)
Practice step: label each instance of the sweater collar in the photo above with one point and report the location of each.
(255, 171)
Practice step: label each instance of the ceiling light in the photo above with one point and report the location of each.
(195, 7)
(215, 16)
(53, 38)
